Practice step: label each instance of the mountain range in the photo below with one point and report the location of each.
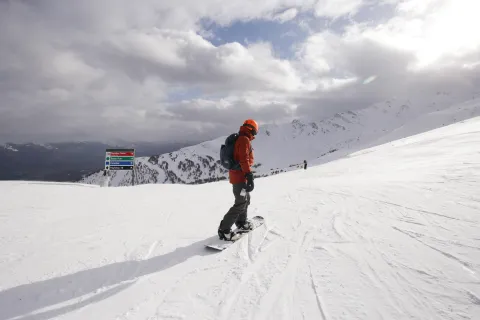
(284, 147)
(66, 161)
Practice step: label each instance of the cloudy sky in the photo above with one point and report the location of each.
(186, 69)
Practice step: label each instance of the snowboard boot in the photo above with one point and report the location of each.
(244, 226)
(227, 235)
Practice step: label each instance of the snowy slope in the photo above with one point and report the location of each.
(283, 147)
(391, 232)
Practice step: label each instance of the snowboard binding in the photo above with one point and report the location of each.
(227, 235)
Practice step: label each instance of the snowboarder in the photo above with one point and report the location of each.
(242, 182)
(304, 164)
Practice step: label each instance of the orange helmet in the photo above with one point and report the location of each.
(252, 125)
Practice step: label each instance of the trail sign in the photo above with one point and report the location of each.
(119, 159)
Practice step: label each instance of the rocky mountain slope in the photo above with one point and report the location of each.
(283, 147)
(65, 161)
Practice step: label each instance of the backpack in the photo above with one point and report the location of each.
(226, 153)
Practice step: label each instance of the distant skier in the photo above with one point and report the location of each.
(241, 180)
(305, 164)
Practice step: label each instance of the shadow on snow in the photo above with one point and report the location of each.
(24, 299)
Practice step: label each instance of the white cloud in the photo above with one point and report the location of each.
(86, 69)
(434, 30)
(404, 57)
(286, 15)
(423, 35)
(337, 8)
(316, 52)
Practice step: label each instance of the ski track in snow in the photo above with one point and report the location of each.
(388, 234)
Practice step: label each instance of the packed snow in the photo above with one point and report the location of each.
(390, 232)
(284, 147)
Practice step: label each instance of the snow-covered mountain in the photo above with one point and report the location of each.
(389, 232)
(283, 147)
(16, 147)
(65, 161)
(9, 147)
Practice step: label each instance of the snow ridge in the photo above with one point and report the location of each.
(9, 147)
(283, 147)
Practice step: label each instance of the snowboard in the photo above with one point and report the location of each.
(221, 245)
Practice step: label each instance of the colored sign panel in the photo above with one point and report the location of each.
(121, 163)
(119, 159)
(122, 154)
(121, 168)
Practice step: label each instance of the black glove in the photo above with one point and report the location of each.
(249, 186)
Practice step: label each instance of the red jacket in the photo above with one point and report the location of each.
(242, 153)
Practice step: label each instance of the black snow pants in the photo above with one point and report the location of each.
(238, 212)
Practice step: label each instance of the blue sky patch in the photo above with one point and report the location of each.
(282, 36)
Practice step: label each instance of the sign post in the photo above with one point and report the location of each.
(120, 159)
